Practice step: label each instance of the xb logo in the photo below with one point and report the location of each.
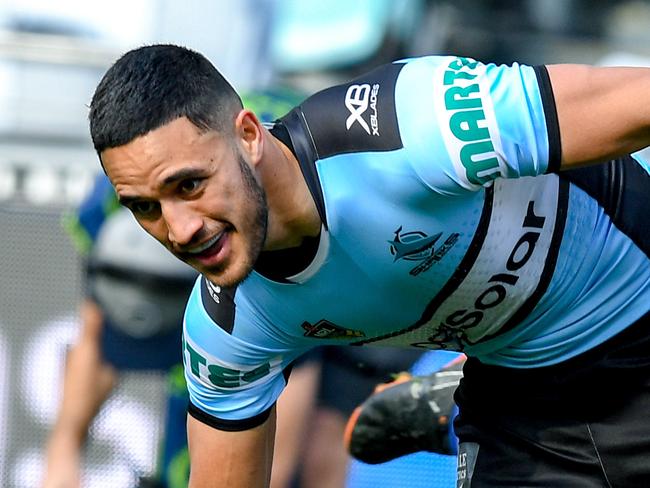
(357, 100)
(417, 246)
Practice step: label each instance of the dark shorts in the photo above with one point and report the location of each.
(124, 352)
(581, 423)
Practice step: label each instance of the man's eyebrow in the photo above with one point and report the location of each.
(181, 174)
(126, 200)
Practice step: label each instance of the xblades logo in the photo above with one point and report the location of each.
(417, 246)
(357, 100)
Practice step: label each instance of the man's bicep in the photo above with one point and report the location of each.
(230, 459)
(600, 111)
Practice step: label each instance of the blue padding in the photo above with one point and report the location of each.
(417, 470)
(432, 361)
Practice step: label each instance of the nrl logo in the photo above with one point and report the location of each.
(417, 246)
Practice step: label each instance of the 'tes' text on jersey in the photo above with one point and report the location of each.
(219, 375)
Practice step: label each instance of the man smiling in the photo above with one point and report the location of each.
(538, 271)
(150, 173)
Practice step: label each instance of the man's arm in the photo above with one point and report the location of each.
(221, 459)
(603, 112)
(87, 383)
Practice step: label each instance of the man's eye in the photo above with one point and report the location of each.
(188, 186)
(143, 208)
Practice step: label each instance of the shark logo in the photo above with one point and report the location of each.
(417, 246)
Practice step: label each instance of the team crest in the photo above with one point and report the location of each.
(324, 329)
(418, 246)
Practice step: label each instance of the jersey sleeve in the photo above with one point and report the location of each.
(232, 384)
(464, 123)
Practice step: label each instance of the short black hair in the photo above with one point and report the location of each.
(153, 85)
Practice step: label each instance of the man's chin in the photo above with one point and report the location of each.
(227, 278)
(231, 271)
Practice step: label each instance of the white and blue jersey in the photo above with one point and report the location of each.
(445, 225)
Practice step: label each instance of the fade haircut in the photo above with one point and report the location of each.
(153, 85)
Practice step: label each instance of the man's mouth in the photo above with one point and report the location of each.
(206, 245)
(208, 248)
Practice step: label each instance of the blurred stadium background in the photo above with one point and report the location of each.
(52, 54)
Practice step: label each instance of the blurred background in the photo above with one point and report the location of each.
(52, 55)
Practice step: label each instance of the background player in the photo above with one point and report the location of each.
(130, 321)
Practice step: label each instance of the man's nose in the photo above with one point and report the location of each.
(182, 223)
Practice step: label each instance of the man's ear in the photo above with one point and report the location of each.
(248, 130)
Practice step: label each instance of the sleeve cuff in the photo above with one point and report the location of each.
(552, 124)
(228, 425)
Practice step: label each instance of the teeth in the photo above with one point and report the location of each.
(205, 245)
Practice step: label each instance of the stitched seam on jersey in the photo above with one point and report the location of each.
(311, 136)
(600, 460)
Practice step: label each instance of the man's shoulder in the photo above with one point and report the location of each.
(361, 115)
(215, 302)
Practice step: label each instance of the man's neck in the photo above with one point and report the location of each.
(292, 212)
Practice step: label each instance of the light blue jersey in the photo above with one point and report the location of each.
(444, 226)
